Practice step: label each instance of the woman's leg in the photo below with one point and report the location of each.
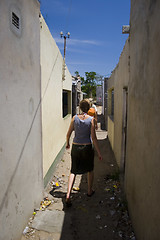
(90, 182)
(70, 184)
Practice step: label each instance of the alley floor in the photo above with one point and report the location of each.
(102, 216)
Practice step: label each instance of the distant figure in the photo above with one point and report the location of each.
(93, 111)
(82, 153)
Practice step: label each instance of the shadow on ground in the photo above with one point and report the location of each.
(102, 216)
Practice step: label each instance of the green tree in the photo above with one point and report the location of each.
(77, 73)
(89, 84)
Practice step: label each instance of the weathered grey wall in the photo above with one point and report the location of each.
(139, 70)
(143, 145)
(20, 122)
(118, 81)
(99, 95)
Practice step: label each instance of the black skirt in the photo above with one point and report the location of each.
(82, 158)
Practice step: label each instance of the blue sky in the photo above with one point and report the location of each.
(96, 39)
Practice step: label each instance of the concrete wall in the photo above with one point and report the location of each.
(138, 69)
(111, 132)
(105, 102)
(20, 122)
(118, 81)
(54, 126)
(99, 95)
(143, 145)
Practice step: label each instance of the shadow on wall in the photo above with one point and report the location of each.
(101, 120)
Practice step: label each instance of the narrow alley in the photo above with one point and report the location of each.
(52, 58)
(102, 216)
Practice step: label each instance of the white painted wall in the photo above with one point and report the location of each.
(54, 126)
(20, 121)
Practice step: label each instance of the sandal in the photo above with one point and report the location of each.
(68, 202)
(90, 195)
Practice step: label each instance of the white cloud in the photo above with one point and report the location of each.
(75, 42)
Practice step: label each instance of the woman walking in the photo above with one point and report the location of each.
(82, 153)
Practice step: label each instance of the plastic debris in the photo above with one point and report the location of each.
(112, 212)
(112, 205)
(120, 234)
(76, 188)
(25, 231)
(112, 198)
(133, 238)
(45, 203)
(57, 184)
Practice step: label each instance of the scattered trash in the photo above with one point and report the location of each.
(57, 184)
(112, 198)
(133, 238)
(112, 212)
(45, 203)
(25, 230)
(110, 209)
(120, 234)
(76, 188)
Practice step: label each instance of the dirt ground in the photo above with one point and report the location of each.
(102, 216)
